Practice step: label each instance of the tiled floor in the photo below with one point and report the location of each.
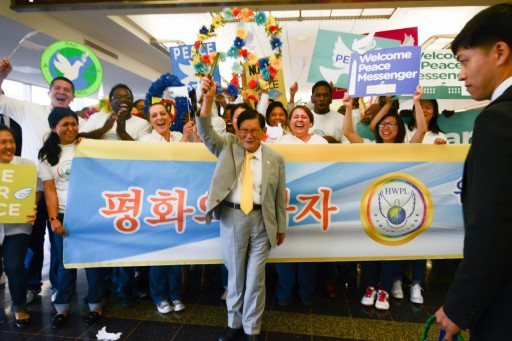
(342, 318)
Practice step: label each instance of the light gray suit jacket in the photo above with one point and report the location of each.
(231, 154)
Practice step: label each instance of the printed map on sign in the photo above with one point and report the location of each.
(331, 56)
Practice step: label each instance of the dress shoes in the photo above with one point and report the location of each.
(59, 320)
(21, 323)
(92, 318)
(255, 337)
(229, 334)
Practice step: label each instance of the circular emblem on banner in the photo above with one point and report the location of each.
(75, 62)
(396, 208)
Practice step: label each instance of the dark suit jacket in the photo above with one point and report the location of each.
(231, 155)
(481, 295)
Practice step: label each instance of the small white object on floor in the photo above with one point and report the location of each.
(104, 335)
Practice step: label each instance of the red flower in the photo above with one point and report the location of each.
(197, 44)
(234, 81)
(236, 12)
(244, 53)
(206, 59)
(273, 28)
(272, 71)
(254, 99)
(253, 83)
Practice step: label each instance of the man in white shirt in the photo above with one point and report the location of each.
(328, 123)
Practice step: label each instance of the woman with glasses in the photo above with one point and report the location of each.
(379, 275)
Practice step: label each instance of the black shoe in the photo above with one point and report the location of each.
(229, 334)
(127, 298)
(59, 320)
(92, 318)
(255, 337)
(21, 323)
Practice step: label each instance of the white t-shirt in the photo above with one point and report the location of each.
(176, 136)
(429, 137)
(135, 126)
(33, 119)
(291, 139)
(330, 124)
(59, 174)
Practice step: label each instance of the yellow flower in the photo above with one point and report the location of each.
(263, 84)
(276, 63)
(195, 59)
(271, 21)
(252, 58)
(246, 93)
(246, 14)
(241, 33)
(217, 21)
(202, 37)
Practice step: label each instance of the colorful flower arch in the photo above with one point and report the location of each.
(269, 66)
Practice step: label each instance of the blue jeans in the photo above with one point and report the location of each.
(291, 273)
(35, 254)
(418, 270)
(165, 283)
(67, 281)
(124, 277)
(379, 272)
(13, 251)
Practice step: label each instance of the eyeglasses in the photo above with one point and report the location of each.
(121, 97)
(253, 132)
(388, 124)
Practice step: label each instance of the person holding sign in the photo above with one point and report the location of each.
(14, 240)
(434, 134)
(55, 164)
(479, 298)
(391, 129)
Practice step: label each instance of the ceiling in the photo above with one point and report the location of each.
(123, 37)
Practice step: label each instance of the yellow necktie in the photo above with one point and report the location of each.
(246, 202)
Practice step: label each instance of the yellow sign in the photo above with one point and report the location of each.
(17, 192)
(276, 90)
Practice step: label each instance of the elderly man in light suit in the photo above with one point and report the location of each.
(246, 237)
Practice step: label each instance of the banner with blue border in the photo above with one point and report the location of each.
(136, 203)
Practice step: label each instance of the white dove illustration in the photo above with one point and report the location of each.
(408, 206)
(70, 71)
(188, 70)
(341, 67)
(408, 40)
(365, 44)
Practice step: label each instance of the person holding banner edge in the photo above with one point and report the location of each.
(55, 164)
(14, 239)
(479, 298)
(248, 228)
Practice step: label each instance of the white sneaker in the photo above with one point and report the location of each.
(369, 297)
(164, 307)
(416, 296)
(31, 295)
(397, 291)
(382, 300)
(178, 305)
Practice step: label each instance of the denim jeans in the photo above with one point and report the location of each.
(379, 272)
(291, 273)
(67, 281)
(165, 283)
(13, 251)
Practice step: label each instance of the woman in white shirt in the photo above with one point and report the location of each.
(55, 165)
(434, 134)
(14, 240)
(300, 121)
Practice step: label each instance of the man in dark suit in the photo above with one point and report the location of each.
(480, 296)
(247, 232)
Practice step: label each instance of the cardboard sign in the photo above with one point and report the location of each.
(17, 192)
(385, 72)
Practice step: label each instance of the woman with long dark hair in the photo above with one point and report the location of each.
(55, 165)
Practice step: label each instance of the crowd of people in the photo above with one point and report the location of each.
(238, 134)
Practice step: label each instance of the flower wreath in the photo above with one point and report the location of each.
(269, 67)
(182, 105)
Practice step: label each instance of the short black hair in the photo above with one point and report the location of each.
(250, 114)
(321, 83)
(62, 78)
(272, 106)
(119, 86)
(485, 29)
